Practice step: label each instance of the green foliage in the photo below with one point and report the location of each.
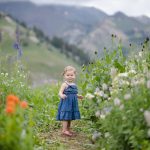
(117, 99)
(40, 35)
(21, 130)
(44, 102)
(70, 50)
(15, 129)
(14, 81)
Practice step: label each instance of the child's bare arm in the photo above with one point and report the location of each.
(63, 86)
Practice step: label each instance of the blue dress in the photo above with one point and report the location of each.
(68, 108)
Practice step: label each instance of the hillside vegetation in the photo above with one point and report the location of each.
(44, 61)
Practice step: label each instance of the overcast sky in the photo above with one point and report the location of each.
(129, 7)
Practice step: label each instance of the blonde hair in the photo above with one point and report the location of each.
(69, 68)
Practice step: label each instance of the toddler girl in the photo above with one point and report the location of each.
(68, 107)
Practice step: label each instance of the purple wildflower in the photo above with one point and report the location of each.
(17, 45)
(20, 52)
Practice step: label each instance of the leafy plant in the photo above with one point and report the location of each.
(117, 98)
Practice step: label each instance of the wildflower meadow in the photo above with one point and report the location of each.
(115, 111)
(117, 91)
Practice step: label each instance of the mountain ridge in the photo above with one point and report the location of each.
(88, 28)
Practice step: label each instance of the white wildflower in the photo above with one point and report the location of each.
(140, 54)
(89, 96)
(141, 80)
(127, 96)
(132, 71)
(6, 74)
(98, 92)
(125, 74)
(148, 132)
(145, 70)
(148, 75)
(116, 79)
(21, 75)
(113, 72)
(110, 89)
(107, 110)
(98, 101)
(105, 96)
(117, 102)
(123, 82)
(136, 57)
(147, 117)
(144, 61)
(141, 109)
(102, 116)
(96, 135)
(113, 92)
(135, 82)
(101, 93)
(148, 84)
(11, 80)
(104, 86)
(98, 113)
(121, 107)
(22, 85)
(23, 133)
(109, 98)
(97, 89)
(107, 134)
(132, 66)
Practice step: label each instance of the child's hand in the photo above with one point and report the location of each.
(63, 96)
(80, 96)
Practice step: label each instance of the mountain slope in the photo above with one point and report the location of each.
(88, 28)
(43, 61)
(127, 29)
(57, 19)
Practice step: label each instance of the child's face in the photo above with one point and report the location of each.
(70, 76)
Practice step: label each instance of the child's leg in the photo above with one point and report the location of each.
(65, 130)
(69, 125)
(65, 126)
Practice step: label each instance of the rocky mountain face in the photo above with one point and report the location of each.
(87, 27)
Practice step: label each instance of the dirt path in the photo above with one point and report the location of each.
(56, 141)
